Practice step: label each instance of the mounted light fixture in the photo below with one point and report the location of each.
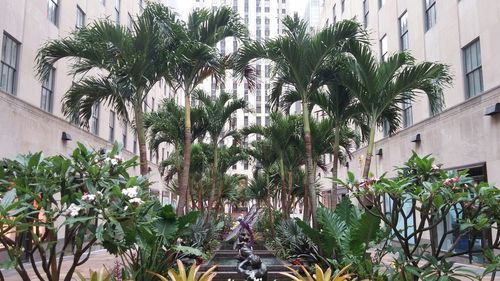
(65, 136)
(492, 110)
(416, 138)
(379, 152)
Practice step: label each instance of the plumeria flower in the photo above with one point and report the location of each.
(99, 194)
(131, 192)
(136, 200)
(73, 210)
(88, 197)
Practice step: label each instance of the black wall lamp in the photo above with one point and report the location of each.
(416, 138)
(492, 110)
(65, 136)
(379, 152)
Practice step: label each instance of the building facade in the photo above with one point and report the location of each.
(263, 20)
(462, 34)
(31, 116)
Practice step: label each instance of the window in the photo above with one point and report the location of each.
(245, 165)
(381, 3)
(134, 148)
(283, 11)
(162, 154)
(473, 69)
(366, 12)
(246, 6)
(383, 48)
(103, 2)
(334, 21)
(267, 9)
(117, 11)
(386, 128)
(407, 113)
(152, 104)
(257, 70)
(130, 23)
(94, 119)
(141, 5)
(267, 70)
(111, 126)
(48, 91)
(235, 5)
(267, 121)
(259, 120)
(234, 167)
(124, 134)
(245, 121)
(223, 47)
(235, 45)
(430, 14)
(145, 105)
(403, 32)
(8, 69)
(80, 17)
(53, 11)
(342, 6)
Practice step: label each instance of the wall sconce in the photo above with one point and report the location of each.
(65, 136)
(416, 138)
(379, 152)
(492, 110)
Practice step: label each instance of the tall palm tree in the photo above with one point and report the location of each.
(380, 87)
(283, 134)
(199, 59)
(298, 57)
(128, 64)
(217, 112)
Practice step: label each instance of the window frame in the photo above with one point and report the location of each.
(403, 32)
(477, 69)
(112, 117)
(407, 113)
(430, 7)
(80, 14)
(47, 91)
(53, 18)
(383, 55)
(8, 64)
(94, 118)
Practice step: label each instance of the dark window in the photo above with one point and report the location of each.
(266, 9)
(111, 126)
(53, 11)
(267, 121)
(141, 5)
(473, 69)
(152, 104)
(381, 3)
(334, 11)
(267, 70)
(80, 17)
(258, 70)
(124, 134)
(383, 48)
(366, 12)
(403, 32)
(117, 11)
(430, 14)
(259, 120)
(8, 69)
(235, 5)
(406, 109)
(47, 97)
(245, 121)
(342, 6)
(134, 148)
(94, 119)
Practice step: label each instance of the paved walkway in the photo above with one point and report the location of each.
(98, 260)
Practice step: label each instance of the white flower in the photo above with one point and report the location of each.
(73, 210)
(130, 192)
(100, 194)
(114, 162)
(136, 200)
(88, 197)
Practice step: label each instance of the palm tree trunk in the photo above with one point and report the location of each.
(309, 161)
(141, 139)
(283, 189)
(181, 207)
(369, 152)
(214, 178)
(335, 168)
(289, 194)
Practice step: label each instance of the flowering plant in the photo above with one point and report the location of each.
(58, 205)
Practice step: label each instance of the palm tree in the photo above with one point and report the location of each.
(166, 125)
(128, 64)
(217, 112)
(298, 57)
(283, 134)
(380, 87)
(198, 60)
